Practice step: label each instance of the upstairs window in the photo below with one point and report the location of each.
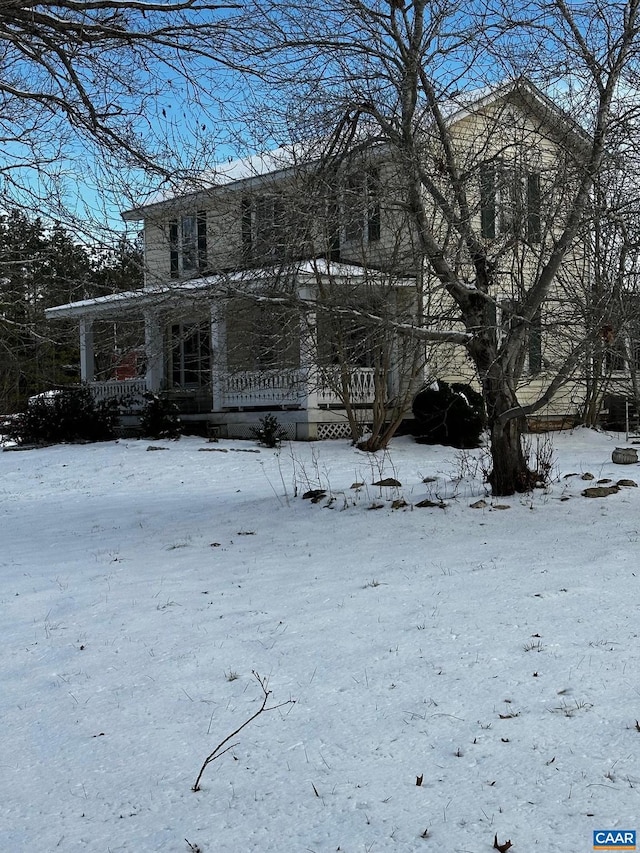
(188, 244)
(361, 206)
(510, 202)
(269, 228)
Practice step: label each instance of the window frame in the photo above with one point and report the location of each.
(510, 201)
(189, 353)
(268, 232)
(360, 207)
(188, 244)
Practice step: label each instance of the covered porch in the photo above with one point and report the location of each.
(226, 360)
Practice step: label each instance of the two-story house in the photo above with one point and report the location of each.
(282, 284)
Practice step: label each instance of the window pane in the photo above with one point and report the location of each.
(173, 249)
(202, 240)
(535, 346)
(189, 243)
(533, 207)
(488, 200)
(373, 205)
(354, 207)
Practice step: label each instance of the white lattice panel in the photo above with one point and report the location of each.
(330, 431)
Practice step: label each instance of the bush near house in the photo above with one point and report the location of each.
(160, 418)
(448, 414)
(68, 415)
(269, 432)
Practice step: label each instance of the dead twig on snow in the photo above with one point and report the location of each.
(218, 751)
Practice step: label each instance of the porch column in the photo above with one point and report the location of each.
(308, 352)
(218, 355)
(87, 364)
(153, 348)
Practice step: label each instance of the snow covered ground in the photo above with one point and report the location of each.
(492, 652)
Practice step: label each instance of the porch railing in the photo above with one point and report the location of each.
(248, 388)
(130, 389)
(361, 388)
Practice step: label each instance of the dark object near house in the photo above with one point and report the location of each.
(619, 413)
(160, 418)
(448, 414)
(67, 415)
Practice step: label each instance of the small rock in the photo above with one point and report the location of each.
(314, 495)
(600, 491)
(152, 447)
(427, 504)
(604, 480)
(356, 485)
(587, 476)
(399, 503)
(500, 506)
(478, 504)
(389, 481)
(629, 483)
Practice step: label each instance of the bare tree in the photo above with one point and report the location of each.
(96, 96)
(97, 88)
(613, 299)
(493, 230)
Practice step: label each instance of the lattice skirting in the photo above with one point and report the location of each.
(329, 431)
(325, 432)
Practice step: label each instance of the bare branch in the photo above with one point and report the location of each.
(218, 751)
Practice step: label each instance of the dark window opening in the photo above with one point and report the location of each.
(190, 355)
(188, 244)
(361, 207)
(173, 250)
(510, 202)
(534, 225)
(270, 230)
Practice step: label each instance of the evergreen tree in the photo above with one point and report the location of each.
(42, 266)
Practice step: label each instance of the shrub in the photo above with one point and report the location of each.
(270, 432)
(448, 414)
(69, 415)
(160, 418)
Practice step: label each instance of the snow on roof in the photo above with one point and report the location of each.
(301, 155)
(202, 287)
(234, 171)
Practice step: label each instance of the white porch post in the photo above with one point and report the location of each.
(218, 354)
(153, 349)
(308, 352)
(87, 364)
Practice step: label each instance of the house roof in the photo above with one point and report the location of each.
(274, 163)
(285, 159)
(199, 289)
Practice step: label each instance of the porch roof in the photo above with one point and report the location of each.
(208, 287)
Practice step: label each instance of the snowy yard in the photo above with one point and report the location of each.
(492, 652)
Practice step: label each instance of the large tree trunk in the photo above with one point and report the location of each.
(510, 472)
